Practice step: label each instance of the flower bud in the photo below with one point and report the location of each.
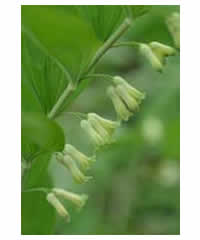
(117, 80)
(96, 138)
(52, 199)
(78, 199)
(119, 106)
(152, 58)
(173, 24)
(77, 175)
(82, 159)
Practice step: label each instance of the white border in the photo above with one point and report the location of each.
(99, 2)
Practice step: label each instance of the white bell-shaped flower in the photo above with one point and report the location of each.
(94, 135)
(68, 162)
(161, 50)
(81, 158)
(119, 105)
(139, 96)
(108, 125)
(52, 199)
(151, 57)
(78, 199)
(156, 52)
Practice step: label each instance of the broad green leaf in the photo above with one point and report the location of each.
(40, 135)
(62, 35)
(42, 79)
(104, 19)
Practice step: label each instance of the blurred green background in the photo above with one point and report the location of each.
(135, 189)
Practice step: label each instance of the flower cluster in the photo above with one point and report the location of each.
(125, 98)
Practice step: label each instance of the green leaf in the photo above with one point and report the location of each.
(40, 134)
(43, 80)
(38, 217)
(62, 35)
(104, 19)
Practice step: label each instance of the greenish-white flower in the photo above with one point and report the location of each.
(148, 53)
(119, 105)
(81, 158)
(70, 164)
(127, 98)
(78, 199)
(156, 52)
(161, 50)
(108, 125)
(52, 199)
(139, 96)
(93, 134)
(173, 24)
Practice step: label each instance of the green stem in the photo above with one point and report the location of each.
(45, 190)
(109, 43)
(68, 90)
(127, 44)
(99, 75)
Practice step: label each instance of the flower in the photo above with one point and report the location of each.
(108, 125)
(68, 162)
(139, 96)
(119, 105)
(81, 158)
(156, 52)
(94, 135)
(52, 199)
(78, 199)
(161, 50)
(173, 24)
(148, 53)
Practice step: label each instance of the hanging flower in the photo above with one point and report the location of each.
(156, 52)
(139, 96)
(52, 199)
(119, 105)
(81, 158)
(108, 125)
(94, 135)
(68, 162)
(78, 199)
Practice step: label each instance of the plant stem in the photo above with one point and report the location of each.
(109, 43)
(99, 75)
(68, 90)
(127, 44)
